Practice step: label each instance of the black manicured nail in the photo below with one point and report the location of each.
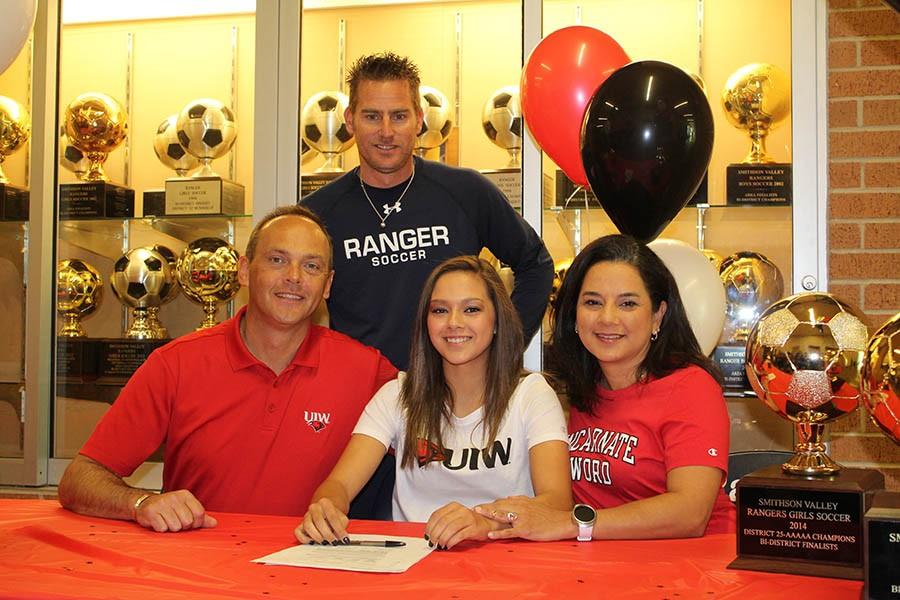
(426, 537)
(346, 540)
(312, 542)
(430, 545)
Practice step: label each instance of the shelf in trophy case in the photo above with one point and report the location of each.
(107, 236)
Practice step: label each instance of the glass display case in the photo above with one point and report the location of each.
(264, 62)
(181, 173)
(15, 153)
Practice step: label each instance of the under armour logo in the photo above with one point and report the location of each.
(712, 452)
(388, 209)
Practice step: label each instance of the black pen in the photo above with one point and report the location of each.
(376, 543)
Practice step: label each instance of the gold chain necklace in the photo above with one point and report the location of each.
(389, 209)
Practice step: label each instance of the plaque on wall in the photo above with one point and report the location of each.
(13, 203)
(509, 180)
(804, 525)
(312, 182)
(95, 199)
(882, 557)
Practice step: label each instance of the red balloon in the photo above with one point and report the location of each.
(558, 81)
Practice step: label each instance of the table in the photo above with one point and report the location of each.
(48, 552)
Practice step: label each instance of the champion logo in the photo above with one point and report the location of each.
(391, 208)
(712, 452)
(317, 420)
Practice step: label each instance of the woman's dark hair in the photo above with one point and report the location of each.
(425, 395)
(676, 347)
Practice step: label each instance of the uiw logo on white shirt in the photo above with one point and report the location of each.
(317, 420)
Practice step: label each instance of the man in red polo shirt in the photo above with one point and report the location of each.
(253, 412)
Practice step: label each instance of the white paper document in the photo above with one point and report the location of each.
(353, 558)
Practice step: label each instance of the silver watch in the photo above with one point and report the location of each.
(584, 516)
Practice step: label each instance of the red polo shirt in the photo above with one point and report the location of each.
(238, 436)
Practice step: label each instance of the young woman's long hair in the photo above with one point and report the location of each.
(425, 394)
(676, 347)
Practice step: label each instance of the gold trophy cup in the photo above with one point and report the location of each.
(78, 293)
(96, 124)
(805, 357)
(756, 99)
(207, 272)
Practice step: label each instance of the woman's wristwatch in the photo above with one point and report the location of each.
(584, 516)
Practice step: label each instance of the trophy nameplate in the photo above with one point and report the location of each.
(509, 181)
(730, 360)
(70, 359)
(565, 188)
(117, 358)
(882, 557)
(13, 203)
(804, 525)
(95, 199)
(154, 202)
(312, 182)
(203, 196)
(761, 184)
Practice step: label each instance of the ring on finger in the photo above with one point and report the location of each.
(511, 516)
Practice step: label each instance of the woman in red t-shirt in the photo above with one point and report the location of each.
(648, 429)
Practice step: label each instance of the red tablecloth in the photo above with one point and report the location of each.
(48, 552)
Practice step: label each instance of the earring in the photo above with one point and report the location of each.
(495, 331)
(576, 327)
(654, 335)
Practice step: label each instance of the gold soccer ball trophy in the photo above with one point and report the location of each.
(207, 272)
(881, 378)
(96, 124)
(78, 293)
(15, 129)
(804, 358)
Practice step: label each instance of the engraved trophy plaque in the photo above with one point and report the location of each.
(757, 98)
(206, 129)
(96, 124)
(804, 358)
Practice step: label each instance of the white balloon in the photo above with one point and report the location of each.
(700, 288)
(15, 27)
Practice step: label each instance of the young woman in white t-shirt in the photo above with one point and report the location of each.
(467, 424)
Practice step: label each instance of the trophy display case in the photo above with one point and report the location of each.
(474, 56)
(156, 156)
(15, 175)
(158, 133)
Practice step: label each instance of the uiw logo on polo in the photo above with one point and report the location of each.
(317, 420)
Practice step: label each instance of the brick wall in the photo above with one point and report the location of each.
(864, 191)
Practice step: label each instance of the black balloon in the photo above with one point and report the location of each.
(646, 141)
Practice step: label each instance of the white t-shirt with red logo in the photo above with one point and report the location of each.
(624, 451)
(468, 469)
